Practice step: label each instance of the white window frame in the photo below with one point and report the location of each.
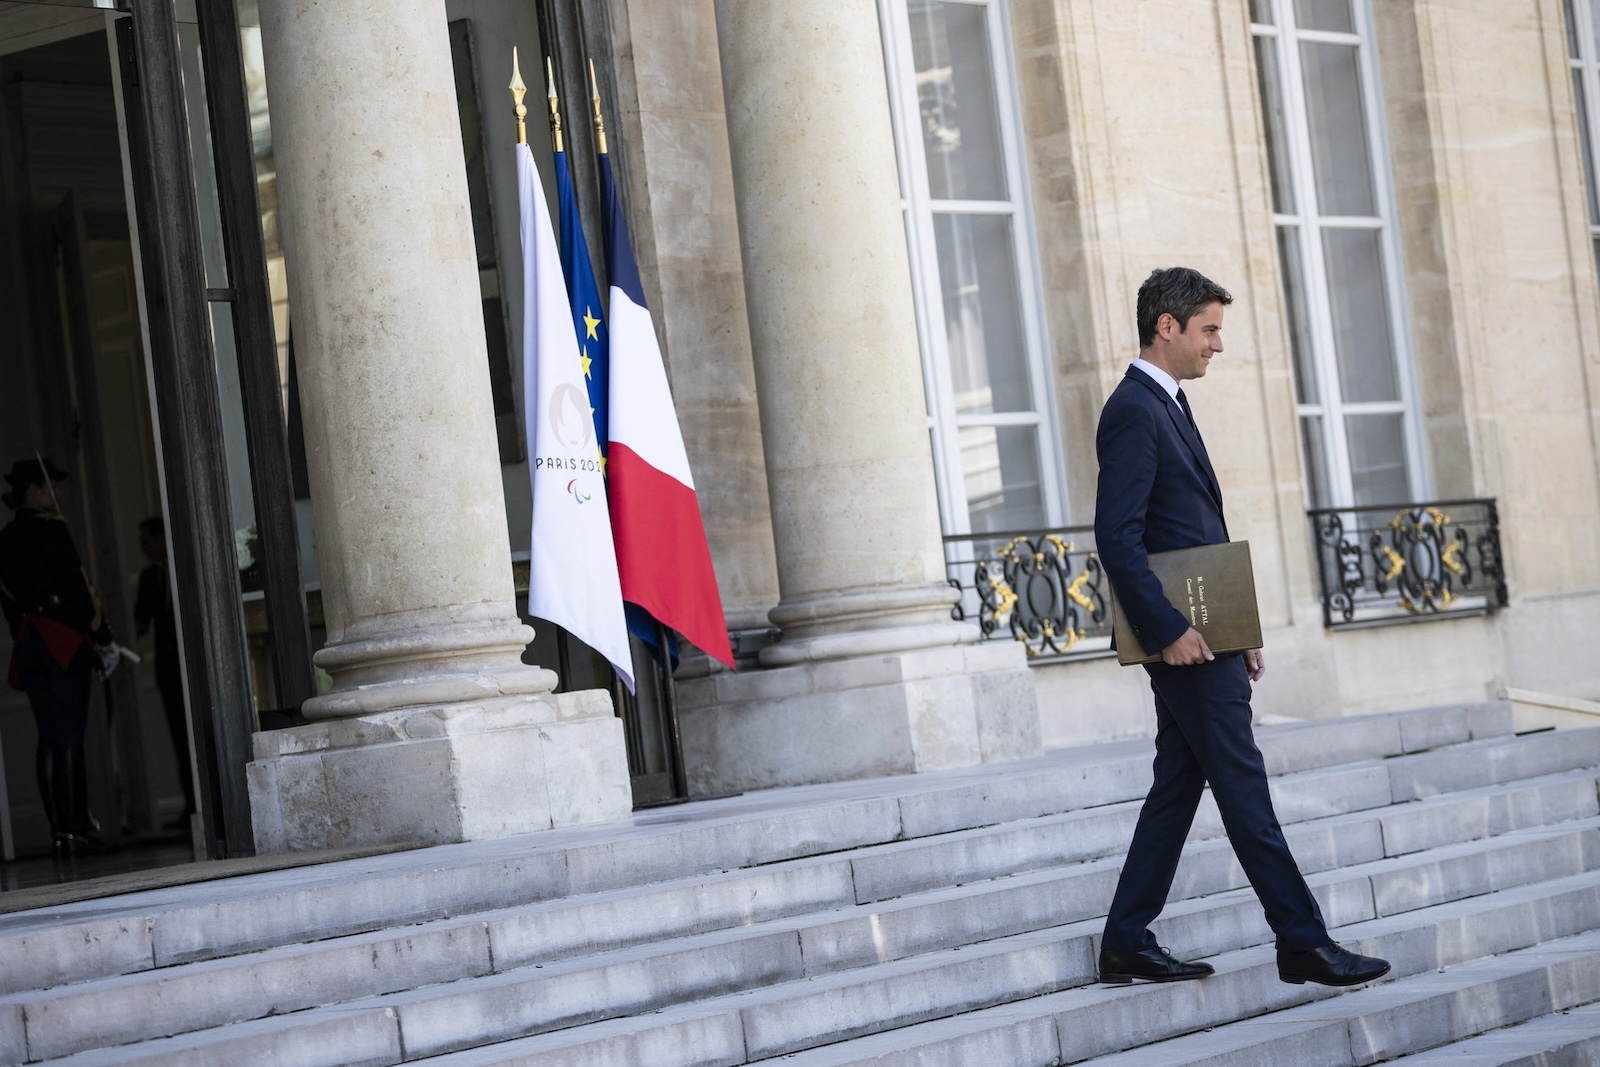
(1310, 225)
(1581, 34)
(920, 208)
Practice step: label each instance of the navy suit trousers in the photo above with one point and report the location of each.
(1203, 735)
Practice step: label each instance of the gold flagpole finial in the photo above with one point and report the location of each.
(555, 104)
(599, 120)
(517, 90)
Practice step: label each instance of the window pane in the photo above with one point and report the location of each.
(982, 313)
(1377, 459)
(1276, 131)
(1316, 453)
(1295, 306)
(1594, 28)
(207, 202)
(1261, 11)
(1586, 140)
(956, 96)
(1338, 129)
(1572, 31)
(1000, 466)
(1331, 15)
(1359, 307)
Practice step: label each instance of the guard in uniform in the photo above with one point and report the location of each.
(59, 638)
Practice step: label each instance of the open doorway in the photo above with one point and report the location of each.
(74, 388)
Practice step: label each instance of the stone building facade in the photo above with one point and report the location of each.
(892, 248)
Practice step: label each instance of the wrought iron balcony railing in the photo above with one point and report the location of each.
(1376, 566)
(1043, 588)
(1432, 560)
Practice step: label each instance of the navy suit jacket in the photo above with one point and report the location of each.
(1157, 492)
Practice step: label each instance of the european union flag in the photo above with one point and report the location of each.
(594, 350)
(584, 293)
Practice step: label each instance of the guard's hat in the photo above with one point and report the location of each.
(26, 472)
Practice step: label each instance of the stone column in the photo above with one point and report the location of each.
(871, 674)
(434, 729)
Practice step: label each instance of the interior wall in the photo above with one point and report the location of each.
(59, 137)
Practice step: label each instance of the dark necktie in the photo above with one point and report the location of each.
(1188, 412)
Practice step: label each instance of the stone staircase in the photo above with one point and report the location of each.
(947, 918)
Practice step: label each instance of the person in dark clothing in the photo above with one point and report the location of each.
(1157, 492)
(59, 636)
(153, 608)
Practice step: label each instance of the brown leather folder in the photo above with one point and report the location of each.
(1213, 586)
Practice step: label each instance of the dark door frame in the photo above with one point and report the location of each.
(213, 638)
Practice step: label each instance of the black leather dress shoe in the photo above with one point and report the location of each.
(1331, 965)
(1150, 965)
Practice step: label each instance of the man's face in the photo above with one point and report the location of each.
(1189, 350)
(38, 496)
(154, 546)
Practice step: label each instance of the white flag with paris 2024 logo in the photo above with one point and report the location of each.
(572, 570)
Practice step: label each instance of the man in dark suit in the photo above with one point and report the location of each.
(1158, 492)
(153, 608)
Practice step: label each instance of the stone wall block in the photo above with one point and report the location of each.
(1008, 714)
(760, 743)
(592, 785)
(944, 722)
(303, 804)
(447, 774)
(266, 807)
(393, 793)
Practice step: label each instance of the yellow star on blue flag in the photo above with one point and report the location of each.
(584, 293)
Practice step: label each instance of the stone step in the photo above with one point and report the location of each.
(1421, 1012)
(1488, 810)
(1367, 834)
(1067, 1026)
(213, 993)
(1201, 926)
(166, 927)
(840, 951)
(895, 869)
(362, 965)
(341, 969)
(1563, 1038)
(1457, 767)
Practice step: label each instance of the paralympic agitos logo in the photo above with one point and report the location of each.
(571, 424)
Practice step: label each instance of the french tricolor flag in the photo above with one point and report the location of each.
(572, 574)
(662, 556)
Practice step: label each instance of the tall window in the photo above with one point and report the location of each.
(1583, 33)
(1338, 251)
(973, 264)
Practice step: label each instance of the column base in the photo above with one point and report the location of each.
(440, 774)
(858, 718)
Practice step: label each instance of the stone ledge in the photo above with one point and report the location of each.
(916, 711)
(440, 775)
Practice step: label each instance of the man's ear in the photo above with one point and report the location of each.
(1167, 325)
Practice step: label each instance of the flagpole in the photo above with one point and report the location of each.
(555, 104)
(599, 120)
(518, 88)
